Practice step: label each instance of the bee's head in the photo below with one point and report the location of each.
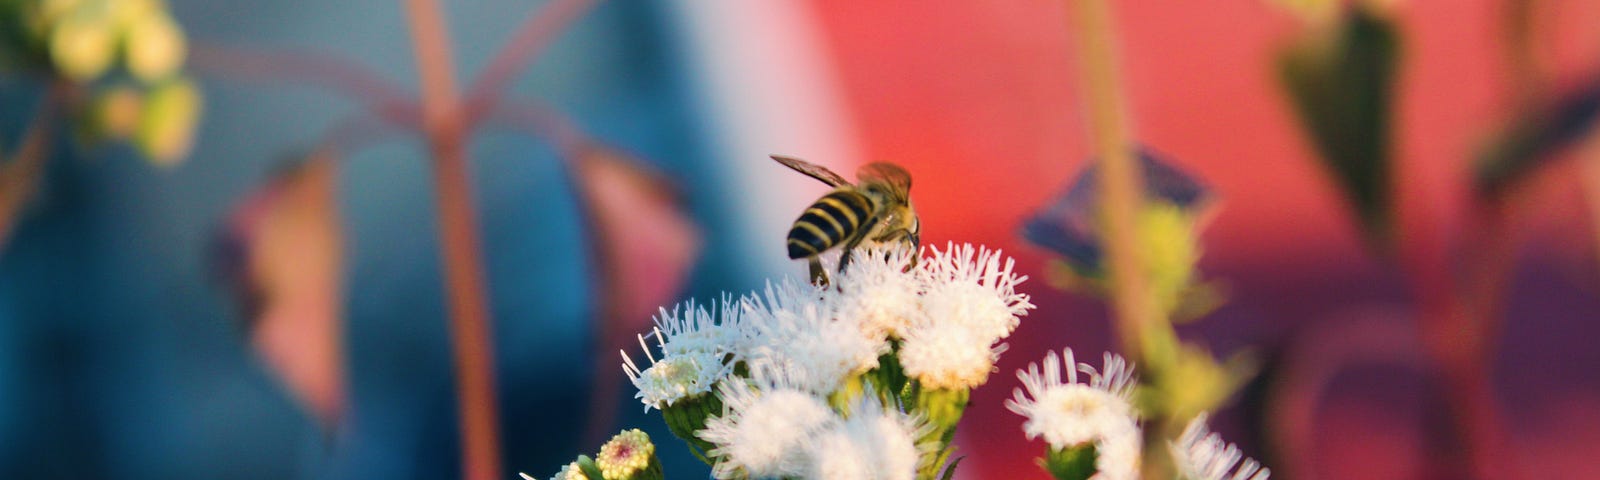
(916, 230)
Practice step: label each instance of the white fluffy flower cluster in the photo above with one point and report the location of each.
(1202, 455)
(770, 428)
(1069, 413)
(947, 313)
(695, 345)
(791, 381)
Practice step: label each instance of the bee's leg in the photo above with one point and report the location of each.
(819, 275)
(850, 245)
(905, 235)
(849, 248)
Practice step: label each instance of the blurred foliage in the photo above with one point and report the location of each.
(1176, 206)
(1069, 223)
(281, 252)
(125, 56)
(1534, 134)
(1180, 379)
(1340, 79)
(1311, 11)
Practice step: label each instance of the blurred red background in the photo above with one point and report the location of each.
(952, 89)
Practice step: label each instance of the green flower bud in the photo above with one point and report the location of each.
(943, 408)
(1072, 463)
(629, 456)
(688, 415)
(167, 126)
(587, 470)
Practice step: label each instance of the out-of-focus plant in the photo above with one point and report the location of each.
(1181, 379)
(644, 239)
(1339, 71)
(1341, 79)
(1128, 229)
(123, 62)
(113, 67)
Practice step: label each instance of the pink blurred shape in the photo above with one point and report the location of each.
(289, 248)
(644, 244)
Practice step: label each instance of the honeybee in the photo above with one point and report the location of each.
(877, 209)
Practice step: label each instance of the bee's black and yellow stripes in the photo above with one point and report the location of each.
(834, 217)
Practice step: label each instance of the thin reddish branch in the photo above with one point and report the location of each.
(340, 75)
(458, 229)
(19, 177)
(538, 120)
(361, 129)
(1460, 317)
(535, 35)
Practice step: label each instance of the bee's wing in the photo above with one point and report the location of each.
(813, 170)
(886, 173)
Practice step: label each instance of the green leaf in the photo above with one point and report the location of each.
(1341, 83)
(590, 470)
(1532, 137)
(950, 470)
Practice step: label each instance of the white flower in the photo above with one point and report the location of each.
(1071, 413)
(762, 429)
(569, 471)
(973, 288)
(674, 377)
(691, 328)
(874, 443)
(1117, 455)
(947, 356)
(694, 345)
(795, 331)
(881, 290)
(1202, 455)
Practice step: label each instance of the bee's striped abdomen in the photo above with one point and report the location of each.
(834, 217)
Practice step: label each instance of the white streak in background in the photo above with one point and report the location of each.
(767, 85)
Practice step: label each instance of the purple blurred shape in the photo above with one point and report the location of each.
(1067, 225)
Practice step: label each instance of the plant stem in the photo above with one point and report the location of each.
(458, 230)
(353, 80)
(531, 38)
(1459, 319)
(1591, 187)
(1121, 180)
(20, 177)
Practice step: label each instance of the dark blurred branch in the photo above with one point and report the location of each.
(458, 230)
(1460, 320)
(1591, 186)
(1312, 363)
(531, 38)
(19, 177)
